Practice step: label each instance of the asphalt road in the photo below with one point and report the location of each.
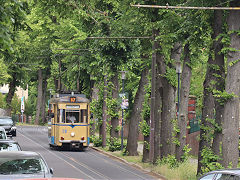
(88, 164)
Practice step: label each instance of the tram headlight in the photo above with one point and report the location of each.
(72, 134)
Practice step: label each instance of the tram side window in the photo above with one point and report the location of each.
(84, 116)
(58, 115)
(62, 115)
(72, 117)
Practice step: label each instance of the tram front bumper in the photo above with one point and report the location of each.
(72, 144)
(71, 141)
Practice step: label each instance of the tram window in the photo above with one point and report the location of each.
(72, 117)
(62, 115)
(83, 115)
(58, 115)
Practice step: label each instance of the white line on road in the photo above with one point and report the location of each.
(58, 156)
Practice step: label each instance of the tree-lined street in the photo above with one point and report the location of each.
(88, 164)
(170, 50)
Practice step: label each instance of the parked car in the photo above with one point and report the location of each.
(7, 123)
(23, 165)
(9, 145)
(3, 134)
(225, 174)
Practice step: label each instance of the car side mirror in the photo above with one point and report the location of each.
(51, 170)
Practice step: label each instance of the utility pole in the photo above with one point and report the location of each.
(185, 7)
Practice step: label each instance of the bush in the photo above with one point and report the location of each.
(97, 141)
(115, 144)
(170, 160)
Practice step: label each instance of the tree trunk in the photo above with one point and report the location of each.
(168, 114)
(183, 103)
(155, 33)
(94, 96)
(104, 119)
(207, 113)
(158, 114)
(136, 115)
(168, 111)
(12, 89)
(114, 120)
(231, 110)
(40, 96)
(59, 86)
(43, 108)
(220, 80)
(145, 157)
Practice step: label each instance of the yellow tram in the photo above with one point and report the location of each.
(68, 124)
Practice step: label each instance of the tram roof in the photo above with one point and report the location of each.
(80, 98)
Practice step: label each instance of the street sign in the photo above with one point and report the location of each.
(124, 104)
(22, 104)
(124, 100)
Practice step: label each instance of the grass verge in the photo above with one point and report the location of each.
(185, 171)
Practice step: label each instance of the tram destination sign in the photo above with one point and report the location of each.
(72, 106)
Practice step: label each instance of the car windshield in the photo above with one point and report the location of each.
(6, 121)
(21, 166)
(9, 147)
(2, 135)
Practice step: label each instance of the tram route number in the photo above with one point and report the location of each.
(64, 131)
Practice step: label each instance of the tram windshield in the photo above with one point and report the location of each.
(73, 116)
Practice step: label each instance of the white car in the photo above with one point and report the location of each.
(23, 165)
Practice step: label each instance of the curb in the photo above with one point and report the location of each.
(149, 172)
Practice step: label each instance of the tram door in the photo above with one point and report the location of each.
(54, 124)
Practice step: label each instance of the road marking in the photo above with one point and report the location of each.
(102, 159)
(124, 170)
(87, 167)
(57, 156)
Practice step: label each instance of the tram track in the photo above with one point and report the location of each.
(100, 176)
(74, 162)
(114, 164)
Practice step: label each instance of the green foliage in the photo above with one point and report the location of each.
(209, 161)
(209, 130)
(3, 72)
(234, 62)
(146, 145)
(223, 97)
(170, 160)
(114, 144)
(118, 128)
(2, 101)
(145, 128)
(96, 108)
(12, 13)
(97, 141)
(16, 105)
(185, 155)
(112, 106)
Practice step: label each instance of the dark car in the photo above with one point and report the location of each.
(7, 123)
(23, 165)
(225, 174)
(3, 134)
(9, 145)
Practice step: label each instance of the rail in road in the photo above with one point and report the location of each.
(88, 164)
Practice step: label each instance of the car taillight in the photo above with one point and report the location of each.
(62, 138)
(82, 138)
